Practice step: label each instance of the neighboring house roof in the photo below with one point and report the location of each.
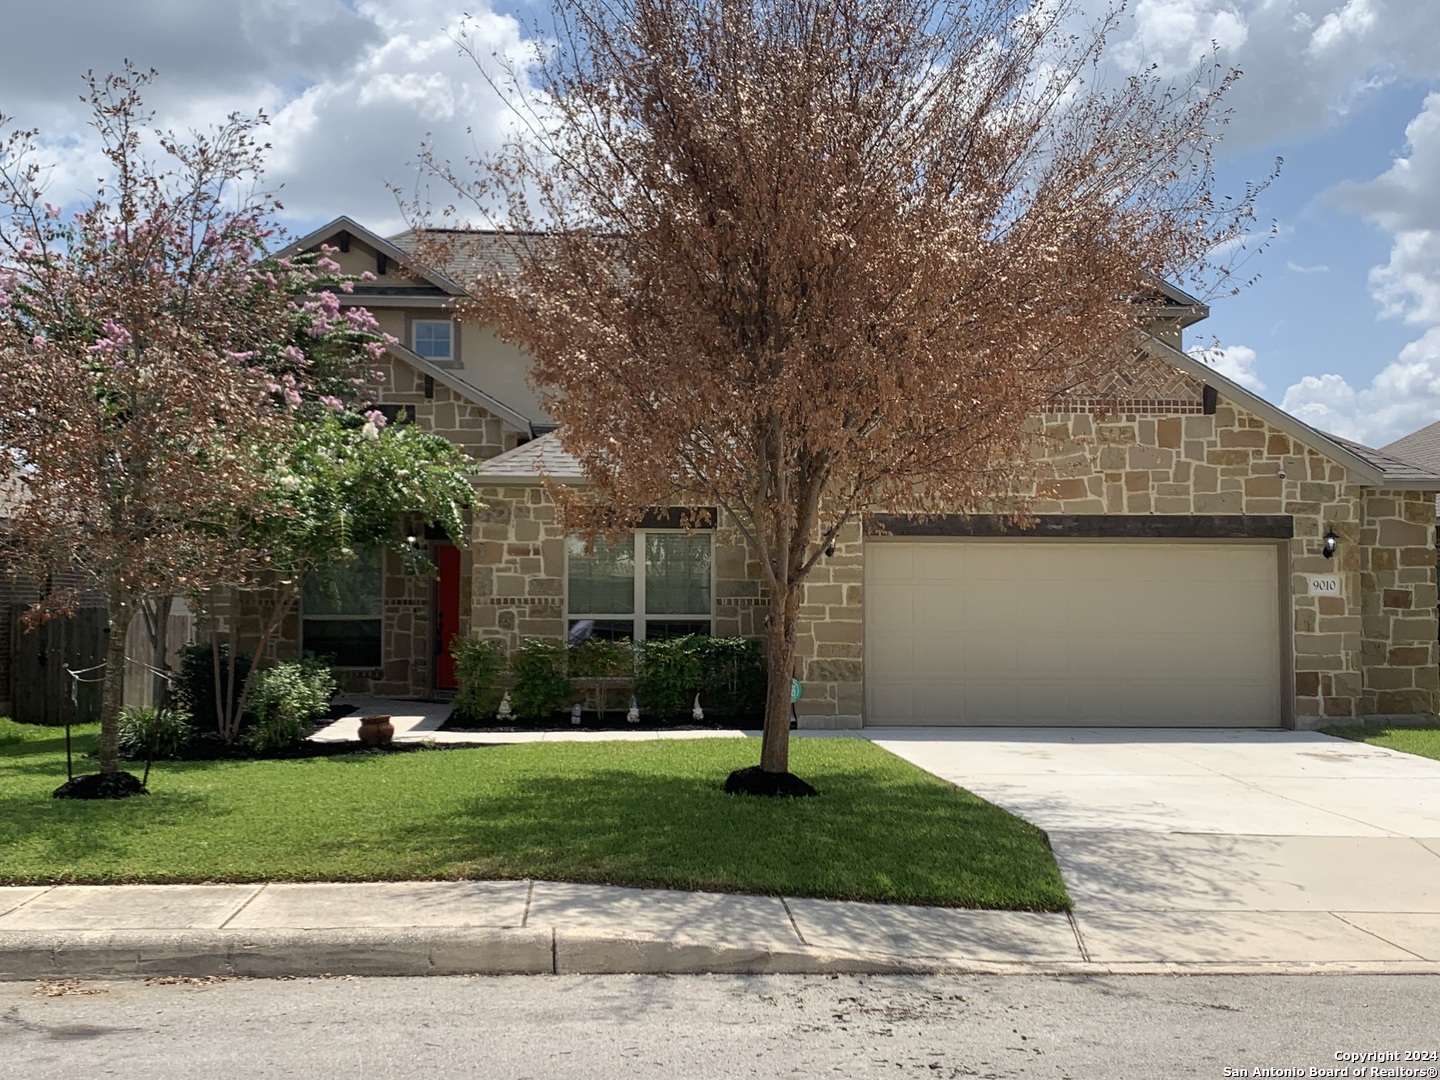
(1422, 447)
(532, 462)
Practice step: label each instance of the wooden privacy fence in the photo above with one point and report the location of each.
(139, 678)
(45, 693)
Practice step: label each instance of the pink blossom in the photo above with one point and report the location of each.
(376, 349)
(376, 417)
(292, 398)
(331, 402)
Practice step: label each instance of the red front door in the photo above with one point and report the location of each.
(447, 614)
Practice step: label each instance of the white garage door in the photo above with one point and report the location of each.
(1098, 633)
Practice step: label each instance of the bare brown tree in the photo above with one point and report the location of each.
(804, 258)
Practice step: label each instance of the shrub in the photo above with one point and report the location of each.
(731, 677)
(667, 676)
(727, 673)
(195, 688)
(541, 684)
(284, 699)
(145, 730)
(479, 676)
(598, 658)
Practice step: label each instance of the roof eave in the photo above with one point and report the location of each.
(401, 257)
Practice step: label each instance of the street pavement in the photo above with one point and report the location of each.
(658, 1028)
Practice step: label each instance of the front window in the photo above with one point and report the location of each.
(433, 339)
(653, 584)
(341, 614)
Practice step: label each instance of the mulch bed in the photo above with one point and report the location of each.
(119, 785)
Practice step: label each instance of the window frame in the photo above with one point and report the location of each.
(638, 618)
(449, 324)
(381, 556)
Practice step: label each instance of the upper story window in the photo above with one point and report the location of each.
(434, 339)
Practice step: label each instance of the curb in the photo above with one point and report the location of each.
(273, 954)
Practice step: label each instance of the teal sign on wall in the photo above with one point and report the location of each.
(795, 691)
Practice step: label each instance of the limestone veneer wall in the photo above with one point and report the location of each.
(518, 583)
(1366, 652)
(1369, 652)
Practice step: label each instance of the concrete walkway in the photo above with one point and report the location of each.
(417, 721)
(1212, 846)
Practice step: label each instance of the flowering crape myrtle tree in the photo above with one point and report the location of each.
(342, 484)
(150, 358)
(803, 258)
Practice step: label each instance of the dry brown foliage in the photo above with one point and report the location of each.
(803, 258)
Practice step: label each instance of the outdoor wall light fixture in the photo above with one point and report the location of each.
(1330, 541)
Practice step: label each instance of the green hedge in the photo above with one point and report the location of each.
(546, 677)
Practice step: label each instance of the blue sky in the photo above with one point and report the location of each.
(1343, 327)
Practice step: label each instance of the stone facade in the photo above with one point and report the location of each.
(518, 584)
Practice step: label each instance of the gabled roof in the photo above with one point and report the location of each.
(1422, 447)
(1397, 472)
(532, 462)
(1372, 468)
(401, 257)
(1178, 304)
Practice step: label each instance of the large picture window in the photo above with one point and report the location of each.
(653, 584)
(341, 614)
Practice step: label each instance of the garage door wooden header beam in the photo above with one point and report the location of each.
(1097, 526)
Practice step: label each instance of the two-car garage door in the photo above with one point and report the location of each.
(1090, 633)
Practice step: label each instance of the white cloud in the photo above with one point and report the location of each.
(1297, 268)
(1307, 63)
(1403, 197)
(1403, 397)
(1236, 362)
(352, 88)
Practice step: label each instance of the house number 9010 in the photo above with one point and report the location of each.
(1324, 585)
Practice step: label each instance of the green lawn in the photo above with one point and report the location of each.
(1424, 741)
(637, 813)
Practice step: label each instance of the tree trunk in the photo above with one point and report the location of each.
(113, 691)
(780, 624)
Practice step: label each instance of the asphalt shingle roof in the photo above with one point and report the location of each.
(529, 461)
(1395, 468)
(1422, 447)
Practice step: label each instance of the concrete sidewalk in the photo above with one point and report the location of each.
(535, 927)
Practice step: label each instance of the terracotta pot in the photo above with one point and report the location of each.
(376, 730)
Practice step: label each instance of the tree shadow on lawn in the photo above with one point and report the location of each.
(60, 840)
(865, 838)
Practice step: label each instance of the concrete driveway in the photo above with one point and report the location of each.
(1194, 846)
